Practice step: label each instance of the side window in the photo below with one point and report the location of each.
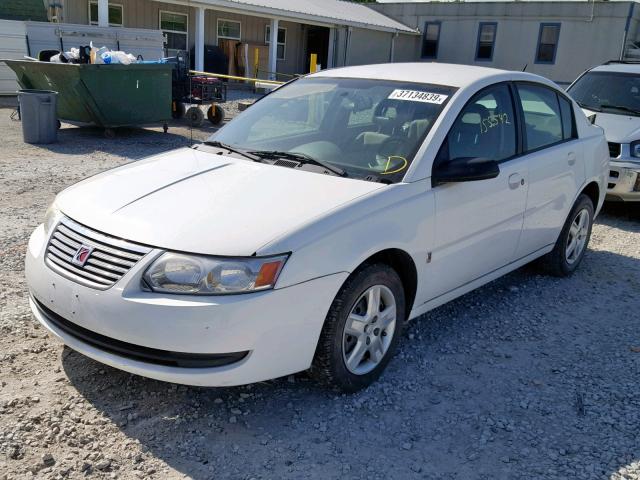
(430, 40)
(547, 42)
(485, 128)
(542, 118)
(486, 40)
(568, 124)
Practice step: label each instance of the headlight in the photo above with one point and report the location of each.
(202, 275)
(51, 217)
(635, 149)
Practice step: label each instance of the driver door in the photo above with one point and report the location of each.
(478, 223)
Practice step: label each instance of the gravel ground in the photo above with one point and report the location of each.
(528, 377)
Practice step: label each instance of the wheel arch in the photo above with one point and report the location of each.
(592, 190)
(403, 264)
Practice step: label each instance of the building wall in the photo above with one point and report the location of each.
(371, 46)
(587, 37)
(407, 48)
(135, 13)
(146, 14)
(368, 46)
(252, 30)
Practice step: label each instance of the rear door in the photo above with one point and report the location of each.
(554, 160)
(478, 223)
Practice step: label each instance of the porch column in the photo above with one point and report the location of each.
(392, 50)
(273, 48)
(332, 46)
(199, 46)
(103, 13)
(347, 43)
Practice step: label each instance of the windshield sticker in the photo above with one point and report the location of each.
(417, 96)
(395, 168)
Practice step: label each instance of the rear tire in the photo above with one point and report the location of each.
(362, 329)
(573, 241)
(215, 114)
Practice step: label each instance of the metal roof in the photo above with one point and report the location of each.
(333, 12)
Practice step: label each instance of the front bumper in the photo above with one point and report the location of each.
(260, 335)
(624, 181)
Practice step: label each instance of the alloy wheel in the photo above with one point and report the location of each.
(577, 238)
(369, 330)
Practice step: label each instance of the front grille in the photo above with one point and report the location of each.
(137, 352)
(614, 150)
(109, 260)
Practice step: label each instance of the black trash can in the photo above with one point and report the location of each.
(38, 114)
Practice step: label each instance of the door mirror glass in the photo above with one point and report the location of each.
(467, 169)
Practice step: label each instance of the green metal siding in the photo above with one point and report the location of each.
(23, 10)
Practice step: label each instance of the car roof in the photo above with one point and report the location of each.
(453, 75)
(618, 67)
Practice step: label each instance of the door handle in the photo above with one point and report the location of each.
(515, 180)
(571, 158)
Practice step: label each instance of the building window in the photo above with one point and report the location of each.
(430, 40)
(175, 28)
(486, 40)
(282, 40)
(228, 29)
(548, 42)
(115, 14)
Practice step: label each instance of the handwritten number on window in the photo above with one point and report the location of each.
(494, 120)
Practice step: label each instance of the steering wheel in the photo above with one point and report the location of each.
(391, 155)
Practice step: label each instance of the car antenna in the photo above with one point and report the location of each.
(525, 67)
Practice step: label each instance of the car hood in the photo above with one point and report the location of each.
(617, 128)
(200, 202)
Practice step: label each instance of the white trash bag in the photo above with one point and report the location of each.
(112, 58)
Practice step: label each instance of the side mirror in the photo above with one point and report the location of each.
(467, 169)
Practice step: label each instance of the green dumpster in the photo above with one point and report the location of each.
(104, 95)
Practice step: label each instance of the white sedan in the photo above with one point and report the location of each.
(308, 231)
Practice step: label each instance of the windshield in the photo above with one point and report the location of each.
(365, 128)
(613, 92)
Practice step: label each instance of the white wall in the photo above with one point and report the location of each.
(12, 46)
(585, 40)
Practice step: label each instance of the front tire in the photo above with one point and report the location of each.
(362, 329)
(195, 117)
(572, 243)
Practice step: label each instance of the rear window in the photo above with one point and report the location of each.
(542, 117)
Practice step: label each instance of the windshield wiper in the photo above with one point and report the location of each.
(300, 157)
(215, 143)
(589, 107)
(623, 108)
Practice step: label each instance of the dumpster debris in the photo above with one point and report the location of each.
(82, 98)
(91, 54)
(109, 58)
